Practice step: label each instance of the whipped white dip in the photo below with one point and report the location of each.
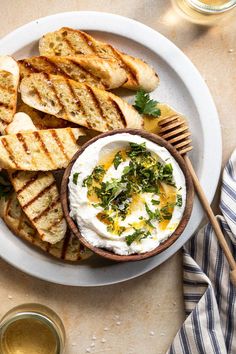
(151, 216)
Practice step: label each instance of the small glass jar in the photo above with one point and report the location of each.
(31, 328)
(203, 11)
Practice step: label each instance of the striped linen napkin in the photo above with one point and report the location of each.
(210, 298)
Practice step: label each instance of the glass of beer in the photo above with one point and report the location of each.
(203, 11)
(31, 328)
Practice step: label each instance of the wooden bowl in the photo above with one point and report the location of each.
(164, 245)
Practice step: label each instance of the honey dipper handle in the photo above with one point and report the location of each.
(213, 220)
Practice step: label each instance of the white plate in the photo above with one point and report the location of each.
(181, 86)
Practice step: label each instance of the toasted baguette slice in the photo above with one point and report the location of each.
(9, 79)
(37, 192)
(42, 120)
(42, 150)
(68, 41)
(68, 249)
(102, 73)
(79, 103)
(39, 198)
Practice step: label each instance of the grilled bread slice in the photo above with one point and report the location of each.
(42, 120)
(68, 41)
(37, 192)
(9, 79)
(68, 249)
(39, 198)
(102, 73)
(41, 150)
(79, 103)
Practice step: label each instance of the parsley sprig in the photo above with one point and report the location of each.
(75, 177)
(117, 159)
(138, 235)
(145, 105)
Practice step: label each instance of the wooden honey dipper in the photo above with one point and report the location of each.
(175, 130)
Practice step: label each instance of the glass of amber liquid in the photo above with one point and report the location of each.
(31, 329)
(203, 11)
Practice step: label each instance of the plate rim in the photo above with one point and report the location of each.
(144, 35)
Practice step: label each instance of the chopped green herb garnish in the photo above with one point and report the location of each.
(167, 216)
(121, 230)
(166, 173)
(149, 223)
(138, 235)
(179, 200)
(96, 205)
(108, 191)
(75, 177)
(165, 212)
(117, 159)
(153, 215)
(5, 186)
(150, 213)
(145, 105)
(127, 169)
(137, 149)
(88, 181)
(145, 173)
(155, 202)
(121, 204)
(97, 175)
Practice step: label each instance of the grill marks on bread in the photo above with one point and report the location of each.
(42, 120)
(8, 96)
(32, 178)
(9, 152)
(85, 45)
(97, 104)
(70, 42)
(38, 151)
(132, 73)
(79, 103)
(9, 80)
(39, 198)
(68, 249)
(59, 143)
(21, 139)
(99, 72)
(42, 192)
(44, 148)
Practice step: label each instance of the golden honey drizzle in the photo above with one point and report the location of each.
(107, 160)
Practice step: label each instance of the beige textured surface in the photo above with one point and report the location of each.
(143, 315)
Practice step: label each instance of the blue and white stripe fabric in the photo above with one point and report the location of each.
(210, 298)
